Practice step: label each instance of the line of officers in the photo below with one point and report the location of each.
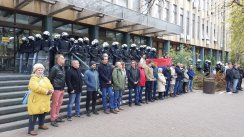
(82, 47)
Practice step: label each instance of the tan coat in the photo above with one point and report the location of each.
(173, 75)
(149, 73)
(161, 82)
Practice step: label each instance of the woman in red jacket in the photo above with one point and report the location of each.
(142, 82)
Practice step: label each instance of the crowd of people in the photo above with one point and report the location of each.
(110, 81)
(233, 77)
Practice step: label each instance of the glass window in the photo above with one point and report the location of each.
(81, 31)
(181, 16)
(193, 25)
(138, 40)
(188, 23)
(122, 3)
(59, 27)
(6, 16)
(110, 36)
(136, 5)
(28, 20)
(166, 11)
(174, 14)
(199, 27)
(203, 33)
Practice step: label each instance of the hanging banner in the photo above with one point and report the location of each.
(161, 62)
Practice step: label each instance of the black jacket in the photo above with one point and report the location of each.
(105, 75)
(57, 77)
(229, 75)
(133, 75)
(236, 74)
(74, 80)
(179, 72)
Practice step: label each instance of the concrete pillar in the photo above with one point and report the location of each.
(48, 24)
(166, 48)
(217, 56)
(210, 54)
(127, 39)
(227, 57)
(202, 55)
(193, 49)
(149, 41)
(94, 33)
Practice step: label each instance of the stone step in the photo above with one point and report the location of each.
(9, 89)
(14, 77)
(14, 83)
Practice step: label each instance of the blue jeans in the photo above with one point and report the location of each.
(154, 89)
(235, 82)
(177, 86)
(105, 91)
(190, 83)
(228, 85)
(140, 93)
(135, 89)
(74, 98)
(117, 98)
(167, 87)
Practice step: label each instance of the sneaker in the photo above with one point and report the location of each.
(60, 120)
(77, 115)
(121, 108)
(88, 114)
(117, 110)
(43, 127)
(106, 111)
(69, 118)
(229, 92)
(113, 111)
(95, 112)
(138, 104)
(33, 133)
(54, 123)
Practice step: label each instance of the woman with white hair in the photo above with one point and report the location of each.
(39, 98)
(161, 83)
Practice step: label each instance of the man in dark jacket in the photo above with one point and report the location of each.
(74, 81)
(229, 77)
(92, 82)
(133, 75)
(57, 78)
(191, 75)
(236, 77)
(167, 75)
(179, 79)
(241, 76)
(105, 79)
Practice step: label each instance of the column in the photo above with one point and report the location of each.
(210, 54)
(166, 47)
(193, 49)
(217, 55)
(227, 57)
(202, 55)
(127, 39)
(94, 33)
(48, 24)
(149, 41)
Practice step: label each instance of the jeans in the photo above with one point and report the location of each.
(33, 118)
(177, 86)
(74, 98)
(91, 95)
(135, 89)
(228, 85)
(140, 93)
(239, 84)
(57, 100)
(190, 83)
(148, 92)
(167, 88)
(117, 98)
(154, 89)
(235, 82)
(105, 91)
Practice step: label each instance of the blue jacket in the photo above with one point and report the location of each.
(191, 74)
(91, 80)
(167, 74)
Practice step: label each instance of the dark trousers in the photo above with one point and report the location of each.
(239, 84)
(160, 95)
(148, 93)
(33, 118)
(154, 89)
(184, 87)
(91, 95)
(167, 87)
(228, 85)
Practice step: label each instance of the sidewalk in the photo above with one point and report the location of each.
(189, 115)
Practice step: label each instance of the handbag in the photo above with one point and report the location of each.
(25, 98)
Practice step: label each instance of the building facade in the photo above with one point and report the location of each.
(166, 25)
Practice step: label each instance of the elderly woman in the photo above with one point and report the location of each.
(161, 83)
(39, 98)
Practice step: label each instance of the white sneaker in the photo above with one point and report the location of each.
(229, 92)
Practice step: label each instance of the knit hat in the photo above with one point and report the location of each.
(92, 62)
(37, 66)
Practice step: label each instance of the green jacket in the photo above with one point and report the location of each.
(118, 79)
